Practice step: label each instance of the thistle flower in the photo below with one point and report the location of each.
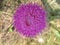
(29, 19)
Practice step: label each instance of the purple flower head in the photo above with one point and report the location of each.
(30, 19)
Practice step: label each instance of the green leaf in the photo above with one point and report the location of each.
(10, 29)
(57, 34)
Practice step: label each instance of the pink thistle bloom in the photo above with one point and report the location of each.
(30, 19)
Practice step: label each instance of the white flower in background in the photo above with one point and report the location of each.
(58, 25)
(41, 40)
